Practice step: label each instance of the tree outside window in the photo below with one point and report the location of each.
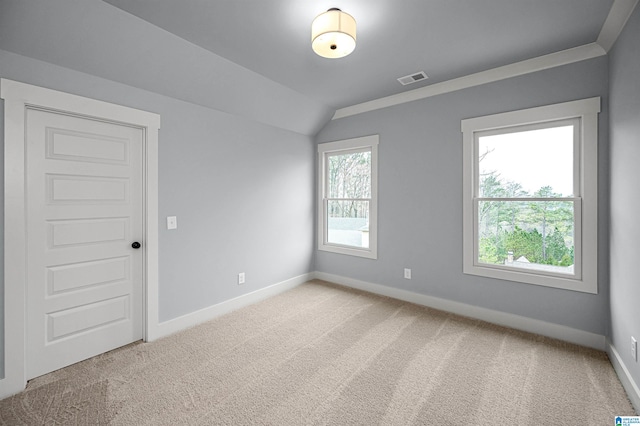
(347, 205)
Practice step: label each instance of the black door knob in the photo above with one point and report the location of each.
(135, 245)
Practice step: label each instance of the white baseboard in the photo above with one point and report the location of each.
(11, 385)
(194, 318)
(561, 332)
(629, 385)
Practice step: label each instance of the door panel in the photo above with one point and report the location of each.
(84, 209)
(84, 274)
(72, 321)
(78, 189)
(86, 231)
(78, 146)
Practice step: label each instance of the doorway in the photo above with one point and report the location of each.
(80, 191)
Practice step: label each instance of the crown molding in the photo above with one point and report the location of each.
(618, 16)
(552, 60)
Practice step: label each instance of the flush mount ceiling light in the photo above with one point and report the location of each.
(333, 34)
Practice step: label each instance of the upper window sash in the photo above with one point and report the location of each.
(326, 184)
(575, 123)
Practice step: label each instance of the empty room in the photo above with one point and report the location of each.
(348, 212)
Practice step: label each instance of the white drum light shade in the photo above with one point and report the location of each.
(333, 34)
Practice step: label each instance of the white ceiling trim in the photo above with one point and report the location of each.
(618, 16)
(552, 60)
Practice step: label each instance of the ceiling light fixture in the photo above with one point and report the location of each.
(333, 34)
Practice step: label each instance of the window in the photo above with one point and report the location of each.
(347, 188)
(530, 195)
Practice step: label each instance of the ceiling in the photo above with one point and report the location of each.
(444, 38)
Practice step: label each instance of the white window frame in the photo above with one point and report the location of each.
(345, 146)
(585, 193)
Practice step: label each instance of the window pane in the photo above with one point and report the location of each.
(534, 163)
(535, 235)
(349, 175)
(348, 223)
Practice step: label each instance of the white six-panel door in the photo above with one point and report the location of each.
(84, 210)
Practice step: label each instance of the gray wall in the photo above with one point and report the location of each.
(625, 177)
(235, 157)
(99, 39)
(420, 196)
(242, 192)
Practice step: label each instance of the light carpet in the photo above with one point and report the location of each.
(323, 354)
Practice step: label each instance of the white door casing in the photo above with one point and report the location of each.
(84, 211)
(21, 100)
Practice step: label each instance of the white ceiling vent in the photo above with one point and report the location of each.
(413, 78)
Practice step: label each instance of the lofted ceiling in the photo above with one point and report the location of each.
(444, 38)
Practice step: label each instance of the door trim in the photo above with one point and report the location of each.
(18, 98)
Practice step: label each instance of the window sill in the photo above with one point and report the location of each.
(534, 277)
(366, 253)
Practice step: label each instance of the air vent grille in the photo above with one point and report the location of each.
(413, 78)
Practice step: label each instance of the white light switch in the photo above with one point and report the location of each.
(172, 222)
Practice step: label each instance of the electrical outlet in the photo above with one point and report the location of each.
(241, 278)
(634, 349)
(407, 273)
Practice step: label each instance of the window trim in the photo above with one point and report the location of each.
(346, 146)
(586, 239)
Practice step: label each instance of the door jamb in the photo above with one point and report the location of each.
(18, 98)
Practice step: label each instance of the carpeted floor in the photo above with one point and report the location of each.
(323, 354)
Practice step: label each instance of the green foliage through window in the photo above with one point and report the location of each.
(525, 231)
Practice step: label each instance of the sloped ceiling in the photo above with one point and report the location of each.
(444, 38)
(98, 39)
(253, 57)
